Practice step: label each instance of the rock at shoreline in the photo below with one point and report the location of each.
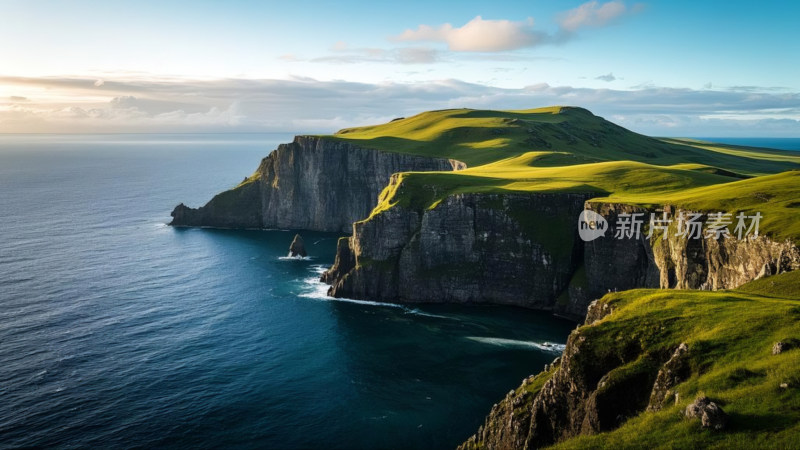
(298, 247)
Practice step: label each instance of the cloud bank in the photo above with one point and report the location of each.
(305, 105)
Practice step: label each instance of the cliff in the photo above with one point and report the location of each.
(523, 249)
(669, 262)
(312, 183)
(516, 249)
(629, 375)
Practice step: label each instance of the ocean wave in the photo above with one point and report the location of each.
(317, 290)
(543, 346)
(295, 258)
(319, 269)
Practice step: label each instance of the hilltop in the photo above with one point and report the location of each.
(559, 135)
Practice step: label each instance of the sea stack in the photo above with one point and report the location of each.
(298, 247)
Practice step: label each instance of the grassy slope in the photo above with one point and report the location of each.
(570, 150)
(574, 135)
(730, 336)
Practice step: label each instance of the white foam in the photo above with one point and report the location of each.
(295, 258)
(320, 292)
(417, 312)
(544, 346)
(318, 269)
(317, 290)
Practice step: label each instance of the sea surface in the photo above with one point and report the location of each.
(118, 331)
(777, 143)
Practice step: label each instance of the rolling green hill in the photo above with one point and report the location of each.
(572, 136)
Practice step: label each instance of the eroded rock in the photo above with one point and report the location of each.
(298, 247)
(673, 372)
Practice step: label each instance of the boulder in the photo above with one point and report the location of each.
(710, 414)
(298, 247)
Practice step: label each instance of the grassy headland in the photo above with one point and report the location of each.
(730, 335)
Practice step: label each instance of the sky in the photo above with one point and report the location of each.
(659, 67)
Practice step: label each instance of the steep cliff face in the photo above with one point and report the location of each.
(670, 262)
(312, 183)
(514, 249)
(523, 249)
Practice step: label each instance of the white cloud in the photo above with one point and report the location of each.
(477, 35)
(591, 14)
(609, 77)
(405, 55)
(311, 106)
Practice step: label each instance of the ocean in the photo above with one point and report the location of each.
(777, 143)
(118, 331)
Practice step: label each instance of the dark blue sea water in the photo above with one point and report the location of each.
(119, 331)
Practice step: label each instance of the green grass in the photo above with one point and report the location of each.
(730, 336)
(776, 197)
(572, 135)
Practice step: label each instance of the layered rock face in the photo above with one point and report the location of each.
(670, 262)
(312, 184)
(513, 249)
(524, 250)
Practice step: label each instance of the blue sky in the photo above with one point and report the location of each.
(708, 68)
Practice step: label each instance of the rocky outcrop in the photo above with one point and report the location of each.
(313, 183)
(592, 388)
(710, 414)
(297, 247)
(513, 249)
(670, 262)
(675, 371)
